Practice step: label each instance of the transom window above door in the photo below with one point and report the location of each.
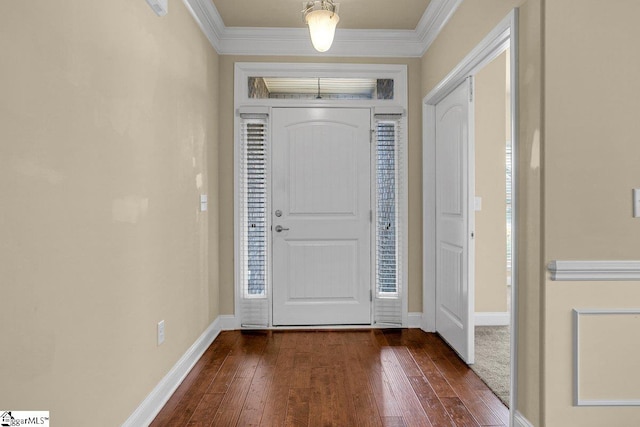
(326, 84)
(319, 88)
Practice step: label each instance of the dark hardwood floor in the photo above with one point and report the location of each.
(332, 378)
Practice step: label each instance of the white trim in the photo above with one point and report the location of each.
(433, 21)
(520, 420)
(486, 318)
(577, 401)
(153, 403)
(397, 72)
(505, 34)
(486, 51)
(209, 20)
(228, 322)
(414, 320)
(514, 40)
(347, 42)
(594, 270)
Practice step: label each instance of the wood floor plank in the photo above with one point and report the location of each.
(257, 396)
(271, 351)
(459, 376)
(476, 406)
(341, 378)
(495, 404)
(298, 407)
(458, 412)
(429, 370)
(394, 422)
(232, 403)
(364, 402)
(407, 362)
(330, 403)
(275, 408)
(170, 407)
(369, 357)
(302, 370)
(226, 374)
(410, 406)
(430, 402)
(213, 355)
(206, 410)
(191, 400)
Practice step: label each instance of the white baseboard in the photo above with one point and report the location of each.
(520, 421)
(149, 408)
(228, 322)
(486, 318)
(414, 320)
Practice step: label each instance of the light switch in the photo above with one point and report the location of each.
(477, 204)
(636, 202)
(203, 202)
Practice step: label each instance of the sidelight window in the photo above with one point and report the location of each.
(388, 232)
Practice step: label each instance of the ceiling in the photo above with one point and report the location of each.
(367, 28)
(354, 14)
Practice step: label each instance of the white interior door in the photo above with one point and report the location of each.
(321, 199)
(454, 222)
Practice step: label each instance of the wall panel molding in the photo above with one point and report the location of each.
(577, 350)
(594, 270)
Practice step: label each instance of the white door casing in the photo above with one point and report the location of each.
(321, 198)
(454, 221)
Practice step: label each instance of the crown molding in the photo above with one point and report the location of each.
(433, 21)
(347, 42)
(209, 20)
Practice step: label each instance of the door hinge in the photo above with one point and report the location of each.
(370, 295)
(470, 89)
(373, 131)
(370, 215)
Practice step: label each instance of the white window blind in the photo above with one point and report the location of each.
(389, 233)
(253, 252)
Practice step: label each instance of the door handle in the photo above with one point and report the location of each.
(280, 228)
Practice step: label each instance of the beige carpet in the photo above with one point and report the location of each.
(492, 359)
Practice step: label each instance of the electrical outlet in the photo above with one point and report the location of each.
(160, 332)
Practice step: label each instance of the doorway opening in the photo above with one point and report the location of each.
(493, 224)
(471, 308)
(320, 161)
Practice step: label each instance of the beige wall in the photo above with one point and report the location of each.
(529, 204)
(490, 87)
(471, 22)
(105, 123)
(226, 171)
(591, 164)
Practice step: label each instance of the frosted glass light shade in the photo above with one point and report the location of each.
(322, 28)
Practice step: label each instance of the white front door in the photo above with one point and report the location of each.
(321, 201)
(454, 179)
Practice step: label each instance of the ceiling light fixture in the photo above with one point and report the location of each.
(322, 18)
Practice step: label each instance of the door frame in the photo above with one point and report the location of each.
(504, 35)
(243, 104)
